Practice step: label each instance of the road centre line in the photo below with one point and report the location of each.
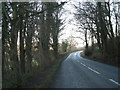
(99, 73)
(93, 70)
(114, 82)
(83, 64)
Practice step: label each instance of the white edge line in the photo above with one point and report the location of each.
(114, 82)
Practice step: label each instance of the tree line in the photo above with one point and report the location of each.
(29, 29)
(98, 22)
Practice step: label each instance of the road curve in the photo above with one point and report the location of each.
(78, 72)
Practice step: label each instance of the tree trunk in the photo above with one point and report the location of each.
(29, 51)
(103, 29)
(55, 46)
(22, 51)
(3, 61)
(110, 23)
(86, 41)
(14, 37)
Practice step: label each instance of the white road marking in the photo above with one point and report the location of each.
(99, 73)
(93, 70)
(83, 64)
(114, 82)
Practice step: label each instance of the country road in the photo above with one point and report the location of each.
(78, 72)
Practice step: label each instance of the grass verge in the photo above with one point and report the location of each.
(49, 74)
(96, 56)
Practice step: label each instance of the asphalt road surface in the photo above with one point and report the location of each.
(78, 72)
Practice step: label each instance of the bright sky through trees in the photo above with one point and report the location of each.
(71, 28)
